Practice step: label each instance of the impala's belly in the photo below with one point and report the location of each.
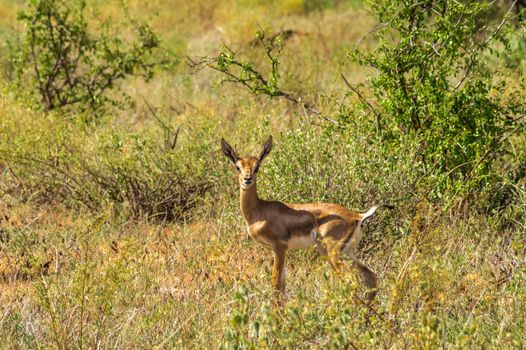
(301, 241)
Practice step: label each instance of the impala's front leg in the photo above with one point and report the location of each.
(278, 274)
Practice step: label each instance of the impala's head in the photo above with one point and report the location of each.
(246, 167)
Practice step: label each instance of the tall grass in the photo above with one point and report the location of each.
(82, 267)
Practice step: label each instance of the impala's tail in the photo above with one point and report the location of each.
(371, 211)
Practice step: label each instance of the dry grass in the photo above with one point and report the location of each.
(135, 284)
(75, 278)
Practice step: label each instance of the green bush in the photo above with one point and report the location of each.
(432, 89)
(432, 82)
(67, 64)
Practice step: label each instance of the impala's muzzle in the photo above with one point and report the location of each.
(247, 182)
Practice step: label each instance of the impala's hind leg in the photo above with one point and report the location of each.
(368, 277)
(329, 249)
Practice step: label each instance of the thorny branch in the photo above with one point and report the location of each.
(244, 73)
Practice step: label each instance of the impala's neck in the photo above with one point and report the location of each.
(250, 202)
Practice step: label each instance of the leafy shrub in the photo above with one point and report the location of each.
(515, 58)
(432, 82)
(56, 160)
(69, 65)
(432, 89)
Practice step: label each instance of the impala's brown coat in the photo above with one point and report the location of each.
(287, 226)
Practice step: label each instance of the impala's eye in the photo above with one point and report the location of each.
(237, 168)
(256, 168)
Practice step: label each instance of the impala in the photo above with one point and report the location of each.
(297, 226)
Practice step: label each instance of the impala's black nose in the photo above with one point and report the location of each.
(247, 181)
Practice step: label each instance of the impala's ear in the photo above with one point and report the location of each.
(229, 151)
(266, 149)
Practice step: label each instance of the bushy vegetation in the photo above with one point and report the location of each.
(78, 165)
(124, 230)
(432, 86)
(68, 65)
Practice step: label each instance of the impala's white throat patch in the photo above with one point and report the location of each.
(303, 241)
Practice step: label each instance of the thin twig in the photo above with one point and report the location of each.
(210, 63)
(176, 134)
(155, 114)
(167, 129)
(482, 45)
(364, 100)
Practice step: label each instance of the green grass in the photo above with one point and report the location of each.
(451, 273)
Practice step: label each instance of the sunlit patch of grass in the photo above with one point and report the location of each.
(133, 283)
